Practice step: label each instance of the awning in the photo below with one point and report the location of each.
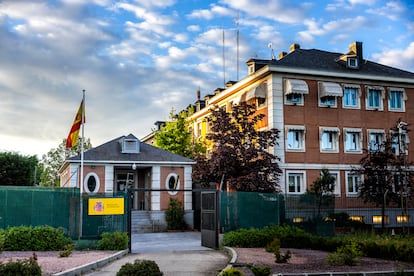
(259, 91)
(293, 86)
(330, 89)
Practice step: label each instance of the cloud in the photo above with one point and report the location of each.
(399, 58)
(317, 29)
(275, 10)
(392, 10)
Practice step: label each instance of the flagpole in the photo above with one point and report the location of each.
(81, 174)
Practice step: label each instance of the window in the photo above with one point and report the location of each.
(403, 218)
(296, 183)
(375, 139)
(337, 184)
(396, 101)
(329, 139)
(378, 219)
(91, 183)
(296, 99)
(295, 138)
(351, 96)
(328, 92)
(352, 62)
(130, 145)
(374, 97)
(400, 142)
(294, 91)
(172, 183)
(352, 183)
(357, 218)
(353, 141)
(258, 93)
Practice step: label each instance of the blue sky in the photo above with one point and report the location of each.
(137, 59)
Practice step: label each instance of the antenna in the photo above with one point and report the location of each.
(224, 63)
(270, 46)
(237, 37)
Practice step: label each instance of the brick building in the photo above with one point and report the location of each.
(329, 107)
(126, 161)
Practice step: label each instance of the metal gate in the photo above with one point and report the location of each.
(209, 214)
(209, 219)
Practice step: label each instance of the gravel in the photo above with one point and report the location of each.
(310, 261)
(51, 263)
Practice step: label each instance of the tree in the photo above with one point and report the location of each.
(18, 170)
(387, 178)
(241, 155)
(175, 136)
(54, 159)
(322, 188)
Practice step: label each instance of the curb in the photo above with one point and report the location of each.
(93, 265)
(233, 259)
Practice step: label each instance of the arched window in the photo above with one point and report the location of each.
(172, 183)
(91, 183)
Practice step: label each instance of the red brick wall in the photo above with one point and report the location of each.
(165, 196)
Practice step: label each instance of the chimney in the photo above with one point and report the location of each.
(293, 47)
(198, 94)
(356, 47)
(281, 55)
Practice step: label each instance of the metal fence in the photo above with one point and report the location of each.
(56, 207)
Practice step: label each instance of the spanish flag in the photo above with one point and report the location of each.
(72, 139)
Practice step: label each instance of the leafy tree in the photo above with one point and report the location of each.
(387, 178)
(241, 156)
(323, 187)
(18, 170)
(175, 136)
(54, 159)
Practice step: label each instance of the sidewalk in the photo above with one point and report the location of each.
(179, 254)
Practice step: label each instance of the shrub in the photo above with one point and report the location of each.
(140, 267)
(2, 239)
(231, 271)
(67, 251)
(260, 270)
(39, 238)
(348, 254)
(113, 241)
(27, 267)
(174, 215)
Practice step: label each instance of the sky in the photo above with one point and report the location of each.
(137, 60)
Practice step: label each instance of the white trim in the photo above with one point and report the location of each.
(85, 183)
(303, 185)
(359, 146)
(381, 100)
(156, 184)
(358, 96)
(403, 99)
(347, 193)
(109, 178)
(302, 130)
(177, 181)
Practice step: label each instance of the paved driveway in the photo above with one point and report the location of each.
(178, 254)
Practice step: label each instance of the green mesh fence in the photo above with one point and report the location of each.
(247, 210)
(94, 226)
(33, 206)
(257, 210)
(56, 207)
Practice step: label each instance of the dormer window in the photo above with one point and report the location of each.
(130, 146)
(352, 62)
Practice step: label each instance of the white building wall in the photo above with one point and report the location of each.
(156, 184)
(188, 196)
(74, 176)
(109, 178)
(276, 120)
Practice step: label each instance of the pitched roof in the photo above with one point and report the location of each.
(112, 152)
(314, 59)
